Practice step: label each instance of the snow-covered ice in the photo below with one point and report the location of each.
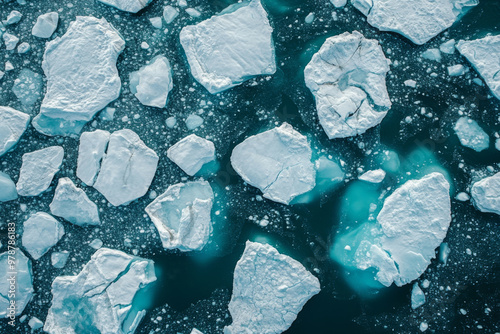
(486, 194)
(191, 153)
(13, 123)
(45, 25)
(40, 232)
(230, 48)
(23, 282)
(347, 79)
(182, 215)
(277, 161)
(269, 290)
(471, 134)
(417, 296)
(92, 148)
(132, 6)
(373, 176)
(8, 190)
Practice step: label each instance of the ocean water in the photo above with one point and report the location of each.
(193, 290)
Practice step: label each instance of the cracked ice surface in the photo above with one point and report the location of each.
(347, 78)
(101, 297)
(278, 162)
(24, 282)
(92, 148)
(486, 194)
(269, 290)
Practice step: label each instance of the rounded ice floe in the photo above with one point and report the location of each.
(373, 176)
(182, 215)
(269, 290)
(230, 48)
(486, 194)
(13, 123)
(191, 153)
(81, 75)
(40, 232)
(45, 25)
(484, 55)
(38, 170)
(8, 190)
(471, 134)
(72, 204)
(278, 162)
(347, 78)
(417, 20)
(132, 6)
(152, 83)
(92, 148)
(23, 283)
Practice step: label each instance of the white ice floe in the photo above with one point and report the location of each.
(417, 20)
(278, 162)
(45, 25)
(92, 148)
(269, 290)
(10, 41)
(8, 190)
(471, 134)
(432, 54)
(72, 204)
(373, 176)
(448, 47)
(35, 323)
(38, 170)
(28, 87)
(182, 215)
(14, 17)
(23, 48)
(23, 283)
(456, 70)
(13, 123)
(40, 232)
(156, 22)
(230, 48)
(484, 55)
(193, 121)
(152, 83)
(59, 259)
(193, 12)
(170, 13)
(191, 153)
(196, 331)
(417, 296)
(347, 79)
(338, 3)
(102, 296)
(486, 194)
(81, 75)
(132, 6)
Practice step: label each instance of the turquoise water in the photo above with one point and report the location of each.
(193, 290)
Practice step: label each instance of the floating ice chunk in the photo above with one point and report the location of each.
(193, 12)
(410, 83)
(87, 54)
(338, 3)
(484, 55)
(23, 282)
(38, 170)
(107, 114)
(132, 6)
(193, 121)
(182, 215)
(28, 87)
(171, 122)
(23, 48)
(417, 20)
(486, 194)
(423, 326)
(152, 83)
(432, 54)
(1, 74)
(269, 290)
(196, 331)
(10, 41)
(182, 3)
(13, 123)
(13, 18)
(35, 323)
(347, 79)
(309, 18)
(497, 144)
(59, 259)
(8, 66)
(169, 14)
(101, 298)
(230, 48)
(373, 176)
(45, 25)
(191, 153)
(456, 70)
(444, 252)
(462, 197)
(92, 148)
(40, 232)
(417, 296)
(156, 22)
(8, 190)
(277, 161)
(96, 243)
(72, 204)
(127, 169)
(448, 47)
(471, 134)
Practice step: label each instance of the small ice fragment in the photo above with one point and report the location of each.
(462, 197)
(456, 70)
(193, 12)
(35, 323)
(410, 83)
(10, 41)
(96, 243)
(131, 6)
(309, 18)
(444, 252)
(8, 190)
(193, 121)
(59, 259)
(40, 232)
(13, 123)
(448, 47)
(432, 54)
(23, 48)
(169, 14)
(156, 22)
(13, 18)
(373, 176)
(417, 296)
(471, 134)
(486, 194)
(338, 3)
(171, 122)
(423, 326)
(45, 25)
(191, 153)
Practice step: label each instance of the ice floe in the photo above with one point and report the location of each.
(417, 296)
(59, 259)
(92, 148)
(28, 87)
(170, 13)
(191, 153)
(40, 232)
(132, 6)
(471, 134)
(8, 190)
(373, 176)
(486, 194)
(23, 284)
(13, 123)
(45, 25)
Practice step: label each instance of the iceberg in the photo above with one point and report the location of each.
(81, 75)
(152, 83)
(191, 153)
(278, 162)
(486, 194)
(40, 232)
(23, 283)
(182, 215)
(269, 290)
(230, 48)
(28, 87)
(417, 296)
(347, 78)
(471, 134)
(131, 6)
(484, 55)
(45, 25)
(72, 204)
(8, 190)
(373, 176)
(13, 123)
(38, 170)
(417, 20)
(92, 148)
(102, 297)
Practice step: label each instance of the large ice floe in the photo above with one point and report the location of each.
(132, 6)
(23, 283)
(471, 134)
(486, 194)
(152, 83)
(81, 76)
(417, 20)
(103, 297)
(191, 153)
(398, 247)
(269, 290)
(38, 170)
(484, 55)
(40, 232)
(278, 162)
(13, 123)
(72, 204)
(347, 78)
(231, 47)
(182, 215)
